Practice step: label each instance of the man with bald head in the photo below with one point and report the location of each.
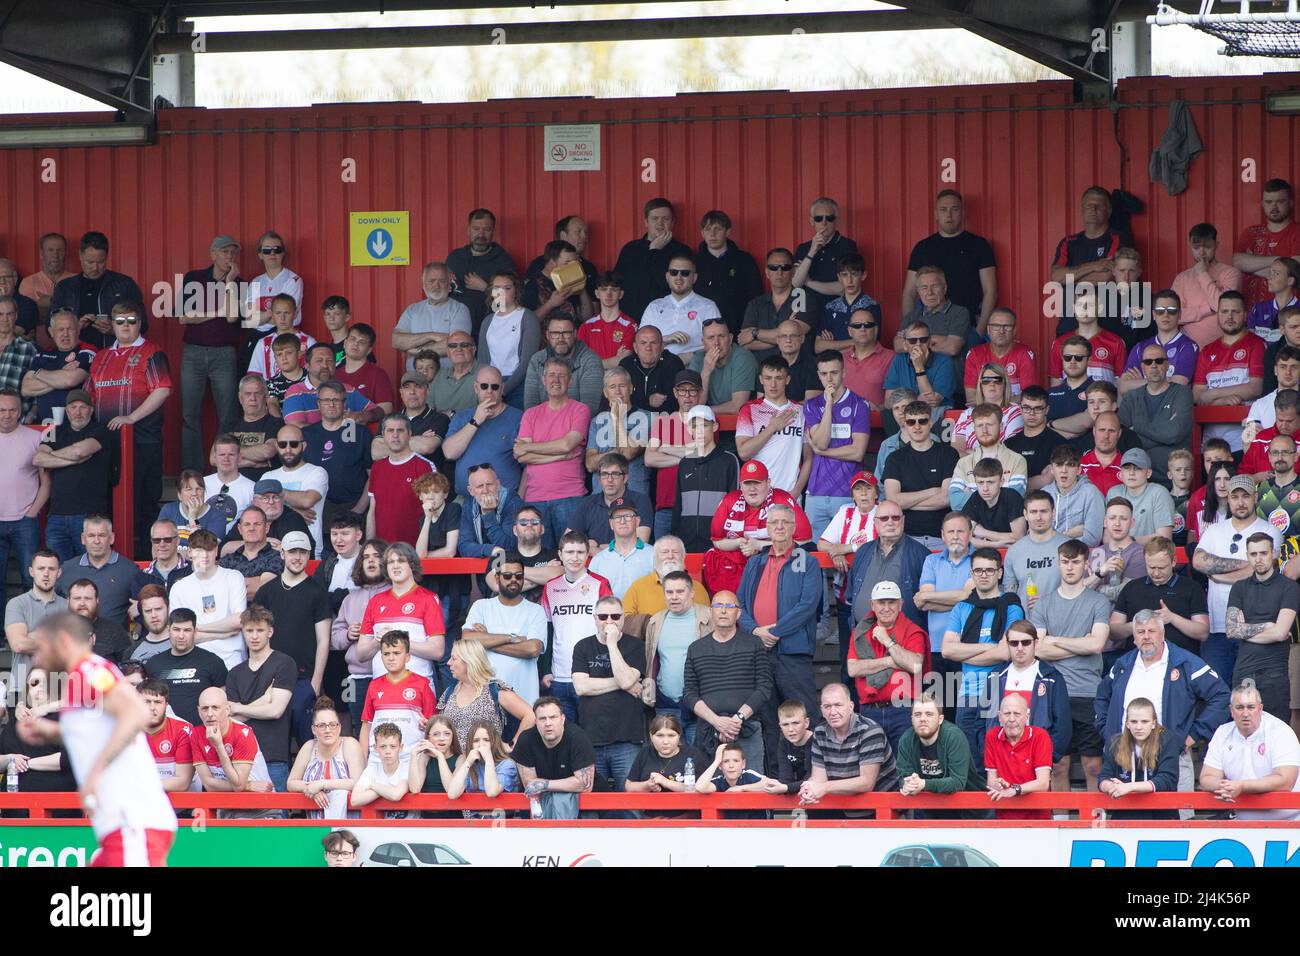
(727, 683)
(485, 434)
(653, 370)
(305, 485)
(228, 758)
(791, 345)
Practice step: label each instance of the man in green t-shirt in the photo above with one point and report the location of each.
(934, 757)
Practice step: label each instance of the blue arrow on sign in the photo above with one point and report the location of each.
(379, 242)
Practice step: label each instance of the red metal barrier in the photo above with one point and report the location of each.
(887, 806)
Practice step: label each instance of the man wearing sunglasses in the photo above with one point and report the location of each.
(451, 389)
(93, 293)
(1221, 556)
(485, 434)
(965, 258)
(866, 361)
(130, 383)
(304, 485)
(643, 262)
(1179, 348)
(681, 315)
(1038, 682)
(764, 314)
(512, 630)
(931, 373)
(607, 672)
(1159, 413)
(816, 260)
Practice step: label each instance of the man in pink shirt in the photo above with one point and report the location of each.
(26, 488)
(551, 446)
(866, 361)
(1200, 286)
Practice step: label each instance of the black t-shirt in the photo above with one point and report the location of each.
(255, 433)
(1005, 510)
(444, 585)
(803, 377)
(918, 471)
(188, 677)
(245, 685)
(346, 462)
(39, 781)
(436, 423)
(616, 717)
(648, 761)
(1037, 451)
(570, 754)
(85, 488)
(793, 762)
(1260, 602)
(1181, 595)
(543, 557)
(297, 610)
(961, 257)
(1065, 400)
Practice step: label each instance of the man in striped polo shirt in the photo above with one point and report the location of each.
(850, 753)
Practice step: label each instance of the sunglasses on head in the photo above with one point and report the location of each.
(602, 616)
(289, 444)
(779, 267)
(271, 250)
(681, 272)
(862, 325)
(489, 386)
(830, 217)
(474, 468)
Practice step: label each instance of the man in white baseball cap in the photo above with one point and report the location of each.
(705, 476)
(887, 657)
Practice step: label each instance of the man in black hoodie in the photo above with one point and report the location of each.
(92, 294)
(643, 263)
(728, 274)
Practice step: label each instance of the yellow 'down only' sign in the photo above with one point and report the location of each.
(379, 238)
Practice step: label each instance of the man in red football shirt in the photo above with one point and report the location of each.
(1230, 371)
(395, 512)
(740, 523)
(169, 737)
(1002, 349)
(1278, 235)
(1101, 465)
(1017, 758)
(1106, 363)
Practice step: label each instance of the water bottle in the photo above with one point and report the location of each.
(534, 808)
(688, 774)
(11, 777)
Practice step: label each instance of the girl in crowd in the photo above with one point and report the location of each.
(485, 767)
(994, 389)
(1142, 758)
(433, 762)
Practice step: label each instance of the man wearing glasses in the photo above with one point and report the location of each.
(485, 434)
(129, 383)
(918, 476)
(1002, 349)
(1036, 442)
(1160, 412)
(305, 485)
(592, 516)
(680, 316)
(452, 388)
(607, 672)
(1221, 556)
(816, 269)
(866, 361)
(765, 314)
(512, 630)
(1180, 349)
(931, 373)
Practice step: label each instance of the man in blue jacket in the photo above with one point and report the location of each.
(1040, 682)
(892, 556)
(1191, 700)
(780, 599)
(487, 518)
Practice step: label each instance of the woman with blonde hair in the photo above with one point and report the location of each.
(1142, 758)
(994, 388)
(475, 695)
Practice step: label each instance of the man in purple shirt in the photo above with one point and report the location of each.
(836, 425)
(1181, 349)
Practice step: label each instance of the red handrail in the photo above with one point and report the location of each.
(709, 806)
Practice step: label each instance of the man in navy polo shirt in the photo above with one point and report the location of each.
(815, 261)
(53, 374)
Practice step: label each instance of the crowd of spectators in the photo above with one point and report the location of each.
(1001, 572)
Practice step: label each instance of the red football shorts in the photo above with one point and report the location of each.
(134, 848)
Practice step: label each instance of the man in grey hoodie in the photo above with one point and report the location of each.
(1080, 506)
(587, 382)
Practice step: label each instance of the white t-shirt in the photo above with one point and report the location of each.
(342, 576)
(1148, 682)
(687, 315)
(502, 337)
(783, 452)
(221, 595)
(850, 526)
(307, 477)
(1021, 679)
(241, 489)
(1262, 410)
(1272, 746)
(526, 619)
(374, 773)
(420, 318)
(263, 289)
(1217, 539)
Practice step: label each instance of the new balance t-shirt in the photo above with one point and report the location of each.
(919, 471)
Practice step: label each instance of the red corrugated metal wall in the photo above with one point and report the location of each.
(1021, 154)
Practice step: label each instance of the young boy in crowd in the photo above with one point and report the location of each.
(794, 750)
(284, 312)
(1179, 470)
(428, 364)
(386, 778)
(609, 332)
(388, 701)
(728, 774)
(997, 514)
(287, 350)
